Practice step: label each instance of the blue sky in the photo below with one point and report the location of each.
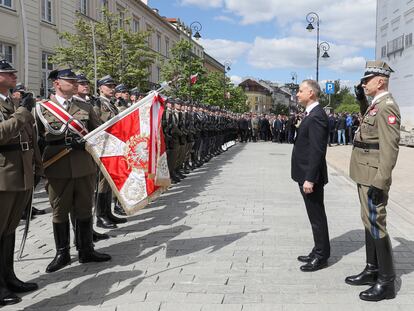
(267, 39)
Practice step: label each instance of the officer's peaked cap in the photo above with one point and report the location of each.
(82, 78)
(377, 68)
(6, 67)
(64, 74)
(107, 80)
(121, 88)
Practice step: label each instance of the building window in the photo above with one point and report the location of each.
(135, 24)
(103, 6)
(47, 11)
(149, 39)
(384, 51)
(6, 3)
(121, 13)
(7, 52)
(47, 67)
(395, 45)
(158, 43)
(84, 6)
(167, 48)
(409, 40)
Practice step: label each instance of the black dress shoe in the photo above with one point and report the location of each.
(305, 259)
(314, 265)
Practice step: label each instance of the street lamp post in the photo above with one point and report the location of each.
(294, 89)
(312, 18)
(227, 68)
(195, 27)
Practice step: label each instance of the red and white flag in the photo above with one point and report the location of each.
(130, 151)
(194, 78)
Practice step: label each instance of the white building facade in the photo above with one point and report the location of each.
(394, 45)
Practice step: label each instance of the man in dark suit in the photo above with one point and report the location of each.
(310, 172)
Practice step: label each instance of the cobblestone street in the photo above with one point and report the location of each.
(226, 238)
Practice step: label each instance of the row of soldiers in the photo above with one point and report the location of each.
(31, 138)
(195, 133)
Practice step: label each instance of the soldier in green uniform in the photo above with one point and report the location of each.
(70, 178)
(374, 156)
(83, 95)
(122, 97)
(106, 110)
(17, 153)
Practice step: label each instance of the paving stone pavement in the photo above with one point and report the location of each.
(226, 238)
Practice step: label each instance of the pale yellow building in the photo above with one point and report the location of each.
(259, 98)
(29, 33)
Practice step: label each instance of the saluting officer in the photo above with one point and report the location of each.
(70, 178)
(106, 110)
(374, 156)
(17, 153)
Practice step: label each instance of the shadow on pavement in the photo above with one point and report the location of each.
(403, 259)
(346, 244)
(172, 207)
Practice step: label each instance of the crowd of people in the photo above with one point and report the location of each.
(283, 129)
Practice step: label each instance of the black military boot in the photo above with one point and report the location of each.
(12, 282)
(102, 205)
(62, 258)
(180, 174)
(37, 212)
(369, 275)
(384, 288)
(96, 236)
(110, 216)
(118, 208)
(84, 242)
(6, 296)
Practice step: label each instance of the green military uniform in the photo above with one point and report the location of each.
(380, 126)
(70, 179)
(75, 172)
(373, 158)
(105, 110)
(18, 153)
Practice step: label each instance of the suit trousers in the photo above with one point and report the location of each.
(316, 213)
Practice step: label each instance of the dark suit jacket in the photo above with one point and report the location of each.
(309, 150)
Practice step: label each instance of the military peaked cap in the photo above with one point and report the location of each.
(19, 88)
(107, 80)
(120, 88)
(6, 67)
(377, 68)
(82, 78)
(64, 74)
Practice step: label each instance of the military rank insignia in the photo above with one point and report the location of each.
(392, 120)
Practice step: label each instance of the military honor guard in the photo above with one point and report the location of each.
(106, 110)
(83, 94)
(374, 156)
(61, 123)
(17, 154)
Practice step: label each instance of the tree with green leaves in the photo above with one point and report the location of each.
(183, 64)
(121, 53)
(342, 96)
